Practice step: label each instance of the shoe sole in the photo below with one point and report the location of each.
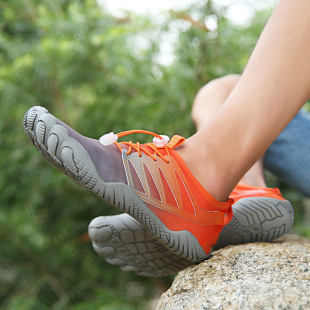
(257, 219)
(125, 243)
(68, 155)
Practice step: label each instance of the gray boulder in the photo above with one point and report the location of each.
(249, 276)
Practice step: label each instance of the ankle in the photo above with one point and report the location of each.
(255, 175)
(249, 179)
(213, 176)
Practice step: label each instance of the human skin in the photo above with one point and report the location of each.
(274, 86)
(207, 102)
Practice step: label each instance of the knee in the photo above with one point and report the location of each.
(219, 87)
(227, 82)
(211, 96)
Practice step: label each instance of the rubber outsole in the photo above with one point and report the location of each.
(54, 142)
(125, 243)
(257, 219)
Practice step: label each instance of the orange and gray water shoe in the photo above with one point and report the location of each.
(260, 215)
(151, 182)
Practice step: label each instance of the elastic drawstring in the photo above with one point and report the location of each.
(141, 147)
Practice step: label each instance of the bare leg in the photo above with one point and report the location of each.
(272, 89)
(207, 102)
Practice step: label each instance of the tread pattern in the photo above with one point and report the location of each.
(257, 219)
(125, 243)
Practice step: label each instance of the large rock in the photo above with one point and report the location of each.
(250, 276)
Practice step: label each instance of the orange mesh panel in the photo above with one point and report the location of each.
(186, 200)
(170, 199)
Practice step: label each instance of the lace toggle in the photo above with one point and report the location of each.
(161, 141)
(108, 138)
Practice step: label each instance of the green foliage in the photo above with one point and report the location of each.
(88, 68)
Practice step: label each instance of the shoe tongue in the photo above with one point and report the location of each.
(176, 141)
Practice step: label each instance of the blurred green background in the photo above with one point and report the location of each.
(99, 73)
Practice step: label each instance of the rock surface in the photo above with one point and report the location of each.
(249, 276)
